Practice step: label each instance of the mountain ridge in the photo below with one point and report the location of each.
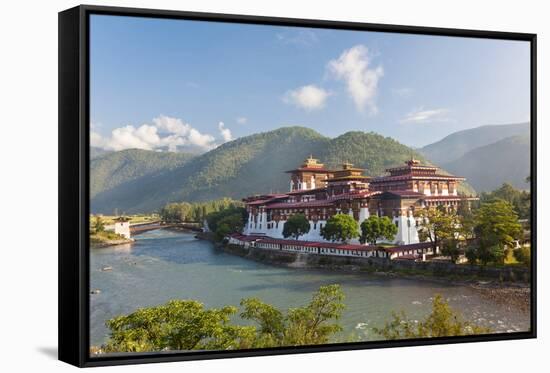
(455, 145)
(488, 167)
(251, 165)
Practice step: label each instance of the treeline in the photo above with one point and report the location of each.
(180, 212)
(519, 199)
(486, 233)
(227, 220)
(187, 325)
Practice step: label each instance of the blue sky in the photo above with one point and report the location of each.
(174, 84)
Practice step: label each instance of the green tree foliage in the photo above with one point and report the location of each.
(451, 248)
(519, 199)
(179, 212)
(340, 227)
(443, 321)
(377, 228)
(436, 225)
(471, 254)
(496, 227)
(98, 225)
(523, 255)
(176, 212)
(230, 224)
(187, 325)
(308, 325)
(177, 325)
(296, 226)
(112, 169)
(227, 220)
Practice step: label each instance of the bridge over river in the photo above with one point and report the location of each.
(149, 226)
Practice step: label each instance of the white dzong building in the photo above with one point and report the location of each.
(319, 193)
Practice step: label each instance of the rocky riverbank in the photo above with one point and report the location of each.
(515, 296)
(504, 287)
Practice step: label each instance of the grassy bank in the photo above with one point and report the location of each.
(107, 238)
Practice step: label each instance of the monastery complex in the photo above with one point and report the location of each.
(320, 193)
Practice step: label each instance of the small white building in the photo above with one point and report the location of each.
(122, 226)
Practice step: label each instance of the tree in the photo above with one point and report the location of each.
(436, 225)
(226, 220)
(464, 209)
(229, 224)
(523, 255)
(519, 199)
(187, 325)
(178, 212)
(340, 227)
(443, 321)
(307, 325)
(177, 325)
(99, 225)
(375, 228)
(451, 248)
(296, 226)
(175, 212)
(471, 255)
(496, 227)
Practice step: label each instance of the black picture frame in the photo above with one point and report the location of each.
(74, 183)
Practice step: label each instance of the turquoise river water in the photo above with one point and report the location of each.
(163, 265)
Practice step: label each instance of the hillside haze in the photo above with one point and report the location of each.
(487, 167)
(459, 143)
(249, 165)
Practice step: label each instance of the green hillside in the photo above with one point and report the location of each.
(459, 143)
(115, 168)
(487, 167)
(370, 151)
(249, 165)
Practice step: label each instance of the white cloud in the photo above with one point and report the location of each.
(353, 67)
(165, 133)
(172, 125)
(308, 97)
(242, 120)
(96, 140)
(420, 115)
(225, 132)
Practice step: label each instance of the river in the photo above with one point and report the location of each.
(164, 264)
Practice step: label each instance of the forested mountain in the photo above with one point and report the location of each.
(249, 165)
(111, 169)
(459, 143)
(487, 167)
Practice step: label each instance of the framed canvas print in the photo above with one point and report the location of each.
(234, 186)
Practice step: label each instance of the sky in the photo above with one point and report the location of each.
(163, 84)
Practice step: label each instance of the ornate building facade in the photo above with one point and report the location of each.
(320, 193)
